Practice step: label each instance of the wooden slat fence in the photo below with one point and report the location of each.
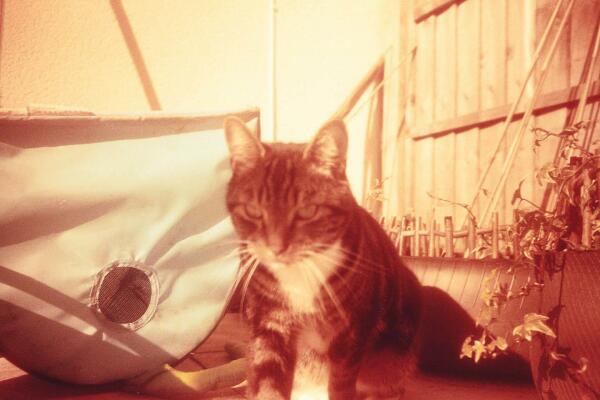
(471, 61)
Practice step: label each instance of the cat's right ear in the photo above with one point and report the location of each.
(244, 148)
(327, 150)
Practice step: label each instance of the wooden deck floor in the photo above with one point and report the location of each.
(18, 385)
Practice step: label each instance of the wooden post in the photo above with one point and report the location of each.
(472, 237)
(418, 246)
(413, 236)
(394, 229)
(399, 243)
(431, 249)
(449, 235)
(495, 235)
(516, 239)
(436, 240)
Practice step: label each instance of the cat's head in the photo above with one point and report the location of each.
(288, 200)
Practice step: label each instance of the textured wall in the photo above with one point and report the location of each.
(198, 55)
(183, 55)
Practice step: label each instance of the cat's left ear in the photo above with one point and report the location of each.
(244, 147)
(327, 150)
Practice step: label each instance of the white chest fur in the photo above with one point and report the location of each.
(303, 280)
(311, 374)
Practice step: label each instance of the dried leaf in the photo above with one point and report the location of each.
(583, 365)
(546, 174)
(517, 193)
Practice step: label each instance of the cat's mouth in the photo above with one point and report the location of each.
(274, 260)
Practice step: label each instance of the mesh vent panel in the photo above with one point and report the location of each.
(124, 295)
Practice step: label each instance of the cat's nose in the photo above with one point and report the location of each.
(277, 244)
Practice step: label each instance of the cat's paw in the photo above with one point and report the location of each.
(310, 393)
(266, 391)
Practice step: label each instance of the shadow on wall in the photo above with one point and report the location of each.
(134, 52)
(445, 326)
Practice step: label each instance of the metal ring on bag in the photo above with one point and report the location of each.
(126, 293)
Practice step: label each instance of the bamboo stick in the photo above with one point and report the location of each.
(458, 234)
(472, 237)
(436, 241)
(449, 229)
(413, 238)
(572, 119)
(399, 242)
(418, 237)
(393, 227)
(523, 125)
(515, 105)
(586, 229)
(495, 236)
(431, 247)
(585, 93)
(373, 171)
(374, 74)
(516, 239)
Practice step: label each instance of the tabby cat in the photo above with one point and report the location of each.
(327, 297)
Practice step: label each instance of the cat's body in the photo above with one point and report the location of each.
(330, 306)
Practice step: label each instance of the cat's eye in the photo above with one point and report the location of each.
(252, 211)
(307, 212)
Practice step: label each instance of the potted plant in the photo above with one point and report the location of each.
(560, 252)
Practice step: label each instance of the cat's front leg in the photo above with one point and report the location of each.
(345, 355)
(272, 367)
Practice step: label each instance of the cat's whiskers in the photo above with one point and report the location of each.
(245, 258)
(361, 271)
(366, 264)
(304, 265)
(250, 267)
(238, 242)
(311, 279)
(328, 259)
(339, 265)
(237, 252)
(318, 274)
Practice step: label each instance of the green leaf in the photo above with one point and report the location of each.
(501, 343)
(498, 343)
(533, 323)
(466, 351)
(479, 349)
(485, 316)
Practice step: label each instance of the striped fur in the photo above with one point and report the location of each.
(328, 300)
